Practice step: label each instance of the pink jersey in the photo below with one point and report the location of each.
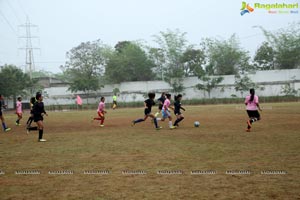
(19, 107)
(166, 104)
(101, 107)
(251, 105)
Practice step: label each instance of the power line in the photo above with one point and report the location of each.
(8, 23)
(13, 10)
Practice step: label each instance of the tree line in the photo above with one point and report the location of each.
(172, 58)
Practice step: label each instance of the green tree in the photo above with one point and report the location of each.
(172, 44)
(129, 62)
(243, 83)
(14, 82)
(208, 83)
(85, 66)
(286, 45)
(225, 57)
(264, 58)
(193, 62)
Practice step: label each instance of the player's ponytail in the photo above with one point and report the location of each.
(252, 92)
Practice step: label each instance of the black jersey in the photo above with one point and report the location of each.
(1, 104)
(149, 104)
(177, 106)
(38, 108)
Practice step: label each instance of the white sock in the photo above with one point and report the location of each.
(170, 124)
(158, 119)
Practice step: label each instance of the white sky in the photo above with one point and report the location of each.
(64, 24)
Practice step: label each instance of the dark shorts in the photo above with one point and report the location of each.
(177, 112)
(147, 111)
(253, 114)
(115, 102)
(160, 106)
(38, 118)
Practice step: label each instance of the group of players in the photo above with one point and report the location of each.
(37, 111)
(164, 107)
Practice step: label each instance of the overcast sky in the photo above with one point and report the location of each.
(63, 24)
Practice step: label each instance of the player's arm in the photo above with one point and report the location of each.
(182, 108)
(257, 104)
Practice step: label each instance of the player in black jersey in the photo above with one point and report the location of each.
(177, 109)
(147, 111)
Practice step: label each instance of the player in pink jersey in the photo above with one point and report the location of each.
(101, 112)
(19, 111)
(166, 111)
(252, 107)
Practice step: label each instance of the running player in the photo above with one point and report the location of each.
(177, 107)
(19, 110)
(30, 119)
(2, 105)
(101, 112)
(252, 106)
(161, 101)
(166, 111)
(147, 111)
(38, 113)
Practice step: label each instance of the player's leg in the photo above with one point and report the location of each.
(179, 117)
(5, 128)
(41, 130)
(139, 120)
(155, 121)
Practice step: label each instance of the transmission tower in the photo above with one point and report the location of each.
(29, 58)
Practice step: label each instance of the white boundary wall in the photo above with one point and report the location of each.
(272, 81)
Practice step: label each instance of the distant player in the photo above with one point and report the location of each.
(19, 111)
(2, 105)
(30, 119)
(38, 113)
(147, 111)
(177, 108)
(252, 106)
(114, 106)
(166, 111)
(101, 112)
(161, 101)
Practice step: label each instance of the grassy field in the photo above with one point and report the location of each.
(220, 144)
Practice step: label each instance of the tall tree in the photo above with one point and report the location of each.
(129, 62)
(264, 58)
(286, 44)
(193, 62)
(173, 44)
(14, 82)
(85, 66)
(225, 57)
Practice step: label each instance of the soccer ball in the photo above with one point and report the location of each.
(196, 124)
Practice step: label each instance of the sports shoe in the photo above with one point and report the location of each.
(17, 124)
(156, 114)
(27, 130)
(101, 125)
(42, 140)
(132, 123)
(172, 127)
(158, 128)
(7, 129)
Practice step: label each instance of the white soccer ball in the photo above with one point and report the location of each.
(196, 124)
